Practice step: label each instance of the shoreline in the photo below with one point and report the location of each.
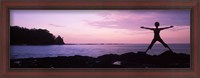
(167, 59)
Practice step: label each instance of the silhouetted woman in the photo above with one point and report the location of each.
(157, 35)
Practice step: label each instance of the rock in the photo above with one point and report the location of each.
(167, 59)
(59, 40)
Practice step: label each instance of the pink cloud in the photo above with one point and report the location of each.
(133, 19)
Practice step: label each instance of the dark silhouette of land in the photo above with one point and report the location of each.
(157, 35)
(167, 59)
(24, 36)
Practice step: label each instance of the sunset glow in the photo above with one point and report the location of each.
(106, 26)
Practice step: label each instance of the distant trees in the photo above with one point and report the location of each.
(21, 36)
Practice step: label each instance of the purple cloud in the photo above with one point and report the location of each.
(56, 25)
(133, 19)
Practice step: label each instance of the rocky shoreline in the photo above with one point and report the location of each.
(167, 59)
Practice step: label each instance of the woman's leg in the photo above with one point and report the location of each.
(161, 41)
(151, 45)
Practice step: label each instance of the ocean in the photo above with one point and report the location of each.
(28, 51)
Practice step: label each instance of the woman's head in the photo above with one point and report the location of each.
(157, 24)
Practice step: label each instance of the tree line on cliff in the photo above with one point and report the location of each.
(25, 36)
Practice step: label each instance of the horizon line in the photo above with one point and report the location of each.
(114, 43)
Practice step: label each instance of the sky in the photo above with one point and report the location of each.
(106, 26)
